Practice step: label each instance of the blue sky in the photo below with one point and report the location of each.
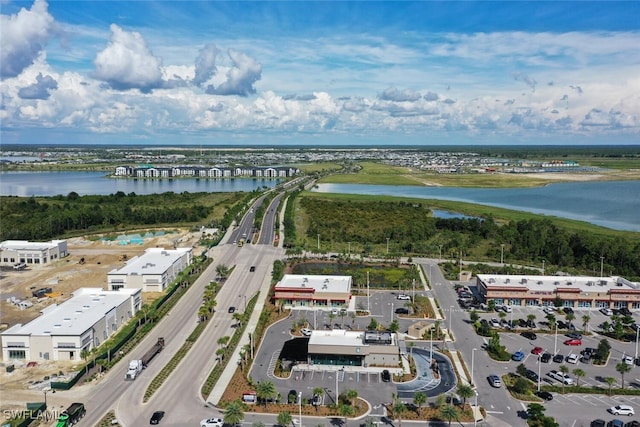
(320, 73)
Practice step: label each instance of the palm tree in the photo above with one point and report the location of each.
(449, 413)
(234, 413)
(565, 370)
(551, 318)
(531, 317)
(419, 399)
(265, 390)
(623, 368)
(346, 411)
(465, 391)
(317, 392)
(239, 317)
(570, 317)
(579, 373)
(585, 322)
(222, 271)
(223, 340)
(398, 409)
(284, 419)
(610, 381)
(351, 395)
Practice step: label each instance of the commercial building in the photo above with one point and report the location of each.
(353, 348)
(153, 271)
(14, 252)
(574, 291)
(297, 290)
(63, 331)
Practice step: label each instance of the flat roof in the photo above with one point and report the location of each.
(153, 261)
(339, 337)
(552, 283)
(76, 315)
(333, 284)
(25, 245)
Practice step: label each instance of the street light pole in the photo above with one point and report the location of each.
(450, 316)
(431, 345)
(368, 295)
(45, 390)
(555, 342)
(637, 336)
(440, 252)
(473, 353)
(318, 242)
(300, 407)
(601, 265)
(539, 365)
(391, 319)
(502, 254)
(543, 267)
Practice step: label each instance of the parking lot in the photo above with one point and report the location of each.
(557, 343)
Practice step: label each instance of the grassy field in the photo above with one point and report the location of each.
(381, 174)
(317, 167)
(499, 214)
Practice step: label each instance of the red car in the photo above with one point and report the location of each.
(537, 350)
(573, 341)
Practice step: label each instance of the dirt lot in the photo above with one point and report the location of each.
(64, 277)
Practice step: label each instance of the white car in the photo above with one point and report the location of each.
(561, 376)
(212, 422)
(494, 322)
(622, 410)
(305, 331)
(606, 311)
(548, 310)
(507, 308)
(628, 360)
(572, 358)
(404, 297)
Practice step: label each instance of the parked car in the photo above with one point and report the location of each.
(575, 335)
(156, 417)
(615, 423)
(622, 410)
(546, 358)
(572, 358)
(495, 322)
(606, 311)
(544, 395)
(495, 381)
(402, 310)
(634, 423)
(573, 341)
(536, 350)
(628, 360)
(558, 358)
(385, 376)
(548, 310)
(531, 324)
(292, 396)
(212, 422)
(404, 297)
(454, 399)
(567, 310)
(507, 309)
(531, 375)
(625, 311)
(561, 377)
(598, 423)
(517, 356)
(529, 335)
(305, 331)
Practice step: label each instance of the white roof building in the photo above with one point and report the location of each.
(63, 331)
(305, 290)
(13, 252)
(153, 271)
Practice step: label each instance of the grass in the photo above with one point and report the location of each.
(381, 174)
(499, 214)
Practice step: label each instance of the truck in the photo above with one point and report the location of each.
(135, 367)
(158, 346)
(72, 415)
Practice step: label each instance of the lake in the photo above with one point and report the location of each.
(27, 184)
(611, 204)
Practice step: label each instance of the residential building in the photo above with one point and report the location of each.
(153, 271)
(63, 331)
(297, 290)
(574, 291)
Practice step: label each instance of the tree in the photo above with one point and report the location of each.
(85, 354)
(551, 318)
(579, 373)
(234, 413)
(265, 390)
(441, 399)
(535, 411)
(419, 399)
(521, 370)
(398, 409)
(531, 317)
(449, 413)
(331, 317)
(474, 316)
(373, 325)
(585, 322)
(465, 391)
(394, 326)
(622, 368)
(351, 395)
(284, 419)
(346, 411)
(570, 317)
(521, 385)
(610, 382)
(222, 271)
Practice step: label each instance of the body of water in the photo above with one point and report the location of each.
(612, 204)
(28, 184)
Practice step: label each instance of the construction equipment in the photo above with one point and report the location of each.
(123, 257)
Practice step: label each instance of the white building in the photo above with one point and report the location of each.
(63, 331)
(153, 271)
(307, 290)
(14, 252)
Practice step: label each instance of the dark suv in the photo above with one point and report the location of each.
(529, 335)
(156, 417)
(385, 376)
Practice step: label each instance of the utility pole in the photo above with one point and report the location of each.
(318, 242)
(502, 254)
(601, 266)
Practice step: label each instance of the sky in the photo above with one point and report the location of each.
(320, 73)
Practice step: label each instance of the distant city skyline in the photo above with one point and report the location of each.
(345, 73)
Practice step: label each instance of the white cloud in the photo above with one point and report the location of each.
(240, 78)
(23, 38)
(127, 63)
(41, 89)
